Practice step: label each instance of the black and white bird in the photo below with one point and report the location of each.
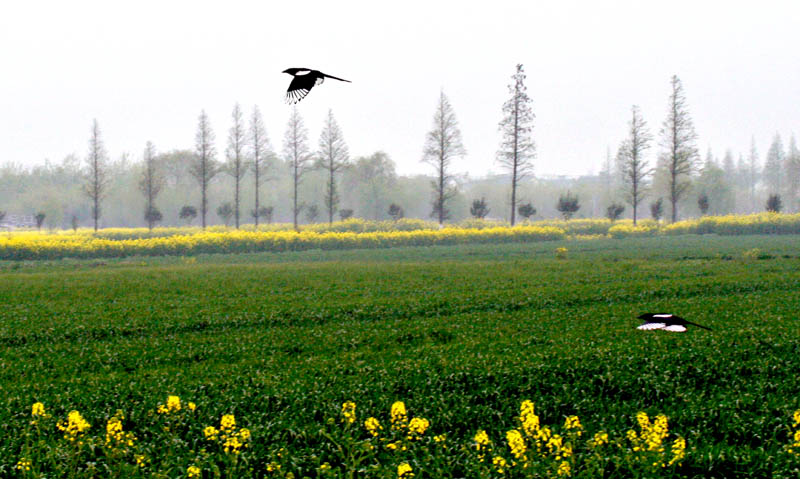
(304, 80)
(665, 321)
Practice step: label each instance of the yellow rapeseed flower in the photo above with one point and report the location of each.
(417, 427)
(599, 439)
(481, 439)
(227, 423)
(564, 469)
(373, 426)
(796, 418)
(499, 463)
(404, 471)
(37, 410)
(23, 465)
(211, 433)
(572, 422)
(349, 412)
(74, 426)
(529, 419)
(173, 403)
(193, 471)
(516, 443)
(192, 406)
(678, 451)
(399, 416)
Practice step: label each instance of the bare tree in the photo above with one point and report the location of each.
(261, 152)
(150, 184)
(333, 156)
(442, 144)
(678, 139)
(97, 180)
(517, 147)
(635, 169)
(752, 173)
(773, 166)
(295, 150)
(376, 177)
(793, 175)
(235, 153)
(205, 166)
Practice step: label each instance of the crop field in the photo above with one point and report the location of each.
(508, 360)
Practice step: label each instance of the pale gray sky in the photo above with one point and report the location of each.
(145, 69)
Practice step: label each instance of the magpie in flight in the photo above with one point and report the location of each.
(665, 321)
(304, 80)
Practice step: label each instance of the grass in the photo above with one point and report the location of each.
(461, 334)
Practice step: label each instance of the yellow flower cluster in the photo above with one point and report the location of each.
(794, 446)
(38, 412)
(481, 440)
(572, 422)
(417, 427)
(398, 413)
(30, 246)
(599, 439)
(193, 471)
(759, 223)
(23, 465)
(349, 412)
(516, 443)
(500, 464)
(172, 405)
(651, 435)
(115, 436)
(74, 427)
(231, 439)
(650, 439)
(404, 471)
(678, 451)
(373, 426)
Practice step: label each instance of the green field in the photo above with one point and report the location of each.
(461, 334)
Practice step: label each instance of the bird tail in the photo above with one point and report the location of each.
(699, 325)
(336, 78)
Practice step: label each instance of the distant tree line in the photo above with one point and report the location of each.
(306, 184)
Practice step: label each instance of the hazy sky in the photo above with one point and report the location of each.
(146, 69)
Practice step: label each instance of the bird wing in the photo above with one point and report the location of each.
(298, 89)
(649, 326)
(675, 328)
(293, 96)
(662, 315)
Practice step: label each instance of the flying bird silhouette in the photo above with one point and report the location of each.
(304, 80)
(665, 321)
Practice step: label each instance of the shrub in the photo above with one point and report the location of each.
(614, 211)
(568, 205)
(479, 209)
(774, 203)
(527, 210)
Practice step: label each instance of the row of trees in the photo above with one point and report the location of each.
(627, 178)
(679, 166)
